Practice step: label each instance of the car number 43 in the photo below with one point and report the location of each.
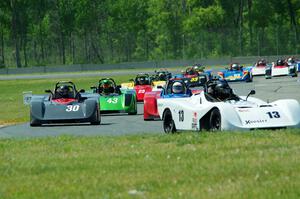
(112, 100)
(71, 108)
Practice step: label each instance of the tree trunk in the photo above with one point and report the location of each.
(293, 22)
(15, 30)
(241, 26)
(2, 62)
(63, 49)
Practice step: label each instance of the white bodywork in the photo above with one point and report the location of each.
(280, 71)
(235, 115)
(258, 70)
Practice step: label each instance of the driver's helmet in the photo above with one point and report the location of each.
(280, 62)
(141, 80)
(235, 66)
(198, 68)
(107, 87)
(161, 76)
(262, 62)
(64, 91)
(190, 71)
(177, 88)
(222, 90)
(291, 60)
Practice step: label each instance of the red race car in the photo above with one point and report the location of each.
(142, 84)
(150, 98)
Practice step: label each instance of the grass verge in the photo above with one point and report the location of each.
(259, 164)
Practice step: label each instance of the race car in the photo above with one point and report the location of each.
(192, 73)
(160, 78)
(64, 105)
(141, 84)
(114, 99)
(150, 99)
(259, 67)
(236, 72)
(281, 68)
(217, 107)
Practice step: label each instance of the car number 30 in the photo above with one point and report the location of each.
(71, 108)
(112, 100)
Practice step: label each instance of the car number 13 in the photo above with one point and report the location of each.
(71, 108)
(273, 114)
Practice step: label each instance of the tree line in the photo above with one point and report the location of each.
(53, 32)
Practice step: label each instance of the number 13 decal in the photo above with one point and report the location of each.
(273, 114)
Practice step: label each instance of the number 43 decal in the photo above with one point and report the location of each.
(273, 114)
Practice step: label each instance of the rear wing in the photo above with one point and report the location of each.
(27, 96)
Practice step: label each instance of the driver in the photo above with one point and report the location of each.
(141, 80)
(64, 91)
(177, 88)
(162, 76)
(235, 66)
(220, 90)
(261, 62)
(107, 88)
(198, 68)
(280, 62)
(291, 60)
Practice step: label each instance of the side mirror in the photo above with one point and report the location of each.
(252, 92)
(48, 91)
(132, 80)
(81, 91)
(159, 87)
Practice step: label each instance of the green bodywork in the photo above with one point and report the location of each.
(124, 102)
(120, 100)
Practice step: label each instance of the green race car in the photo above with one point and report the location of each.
(114, 99)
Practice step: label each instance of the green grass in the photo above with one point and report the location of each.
(261, 164)
(11, 98)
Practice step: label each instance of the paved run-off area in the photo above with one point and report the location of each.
(122, 124)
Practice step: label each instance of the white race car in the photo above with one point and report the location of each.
(218, 108)
(281, 68)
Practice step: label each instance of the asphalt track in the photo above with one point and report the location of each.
(122, 124)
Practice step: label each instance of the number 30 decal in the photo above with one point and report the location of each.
(72, 108)
(273, 114)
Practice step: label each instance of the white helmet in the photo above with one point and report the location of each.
(177, 88)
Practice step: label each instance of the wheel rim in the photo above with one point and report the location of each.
(168, 124)
(216, 123)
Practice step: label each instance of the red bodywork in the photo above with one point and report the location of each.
(64, 100)
(150, 105)
(283, 66)
(141, 90)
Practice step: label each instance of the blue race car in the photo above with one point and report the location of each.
(236, 73)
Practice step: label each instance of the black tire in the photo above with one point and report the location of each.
(96, 118)
(168, 122)
(132, 113)
(34, 122)
(250, 78)
(215, 120)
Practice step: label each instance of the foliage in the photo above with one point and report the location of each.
(51, 32)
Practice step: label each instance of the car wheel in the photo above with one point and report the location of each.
(168, 122)
(34, 122)
(215, 120)
(96, 118)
